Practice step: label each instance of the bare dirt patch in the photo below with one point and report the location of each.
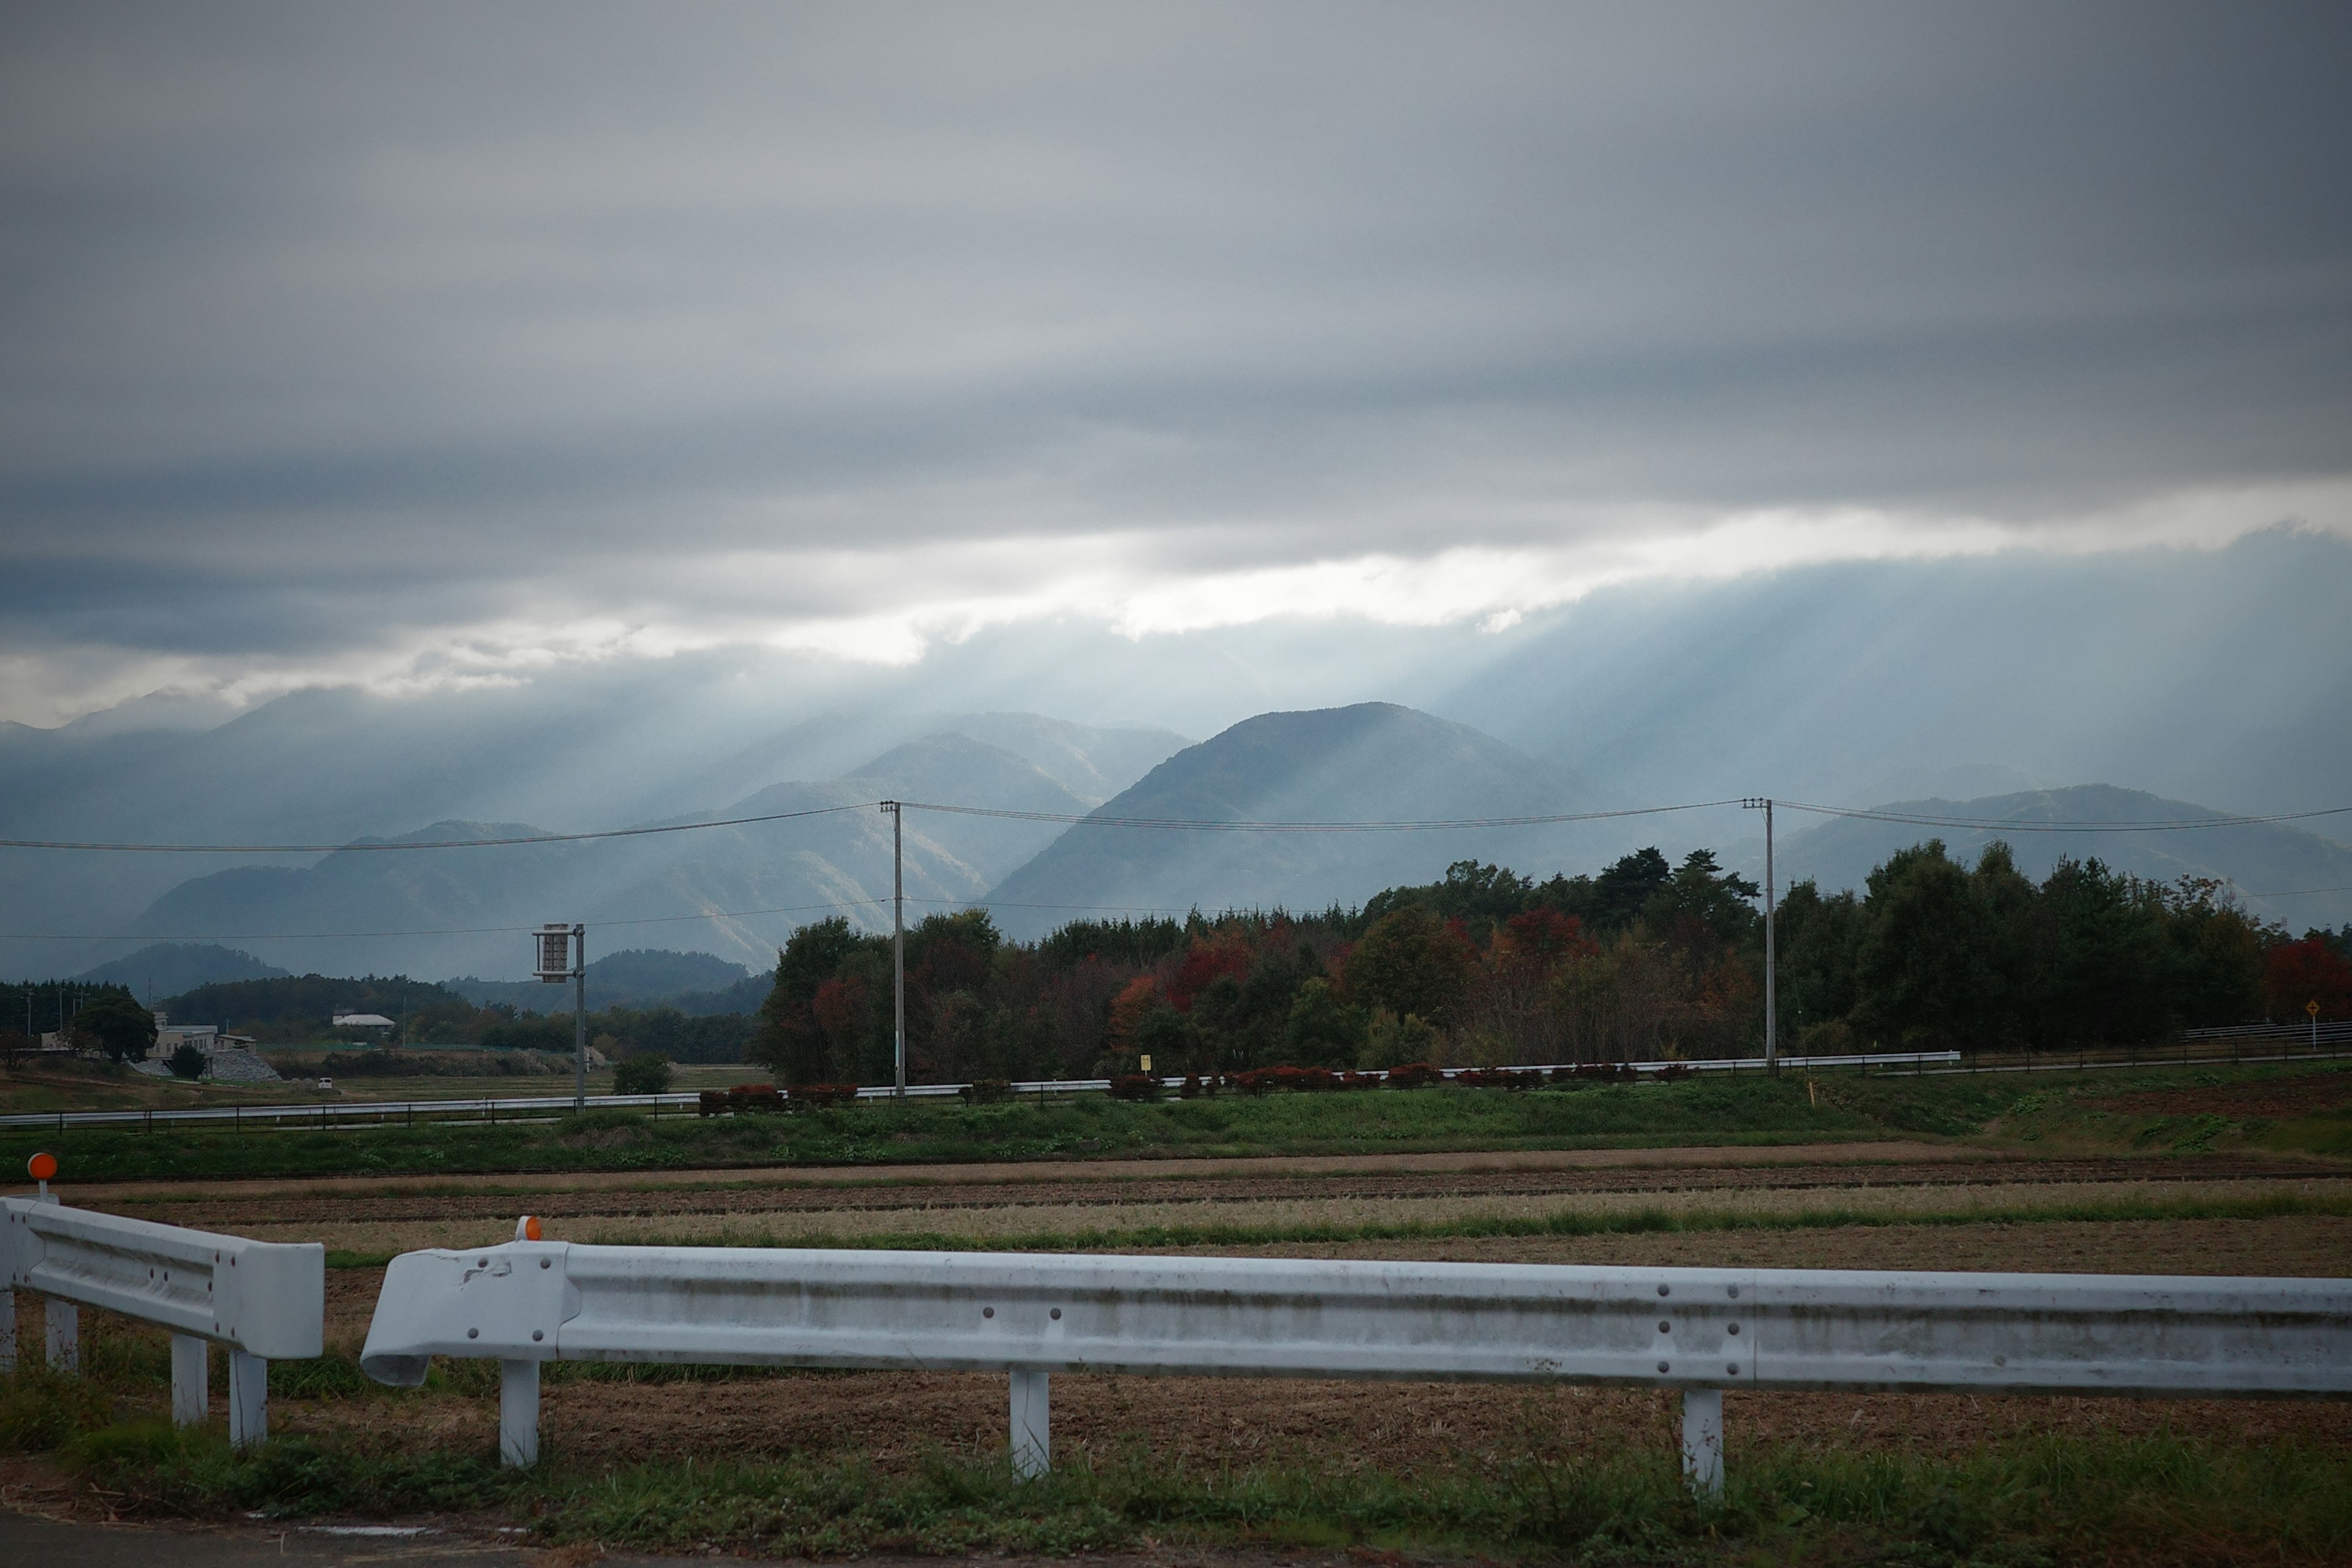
(102, 1193)
(242, 1212)
(2276, 1100)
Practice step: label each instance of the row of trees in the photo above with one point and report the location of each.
(1643, 960)
(1646, 958)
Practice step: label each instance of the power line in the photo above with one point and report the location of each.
(1212, 825)
(2170, 825)
(1185, 825)
(380, 844)
(447, 930)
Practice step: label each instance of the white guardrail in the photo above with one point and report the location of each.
(1697, 1330)
(262, 1301)
(345, 1114)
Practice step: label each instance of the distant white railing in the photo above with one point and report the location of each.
(263, 1300)
(1696, 1331)
(379, 1112)
(2304, 1032)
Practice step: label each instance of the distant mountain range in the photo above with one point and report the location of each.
(2218, 677)
(733, 891)
(166, 969)
(1373, 761)
(719, 901)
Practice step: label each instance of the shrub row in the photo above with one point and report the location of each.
(748, 1098)
(763, 1097)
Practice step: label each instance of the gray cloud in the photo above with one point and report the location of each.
(375, 330)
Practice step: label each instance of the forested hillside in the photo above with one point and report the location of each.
(1644, 960)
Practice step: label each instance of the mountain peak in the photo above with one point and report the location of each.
(1368, 761)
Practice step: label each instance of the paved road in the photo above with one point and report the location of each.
(39, 1543)
(27, 1542)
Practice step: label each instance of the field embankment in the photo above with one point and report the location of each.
(2304, 1110)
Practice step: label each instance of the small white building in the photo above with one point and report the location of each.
(374, 1021)
(170, 1037)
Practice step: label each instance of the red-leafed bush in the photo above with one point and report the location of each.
(1414, 1075)
(987, 1091)
(818, 1094)
(745, 1098)
(2297, 973)
(1677, 1069)
(712, 1103)
(1359, 1081)
(1197, 1087)
(1308, 1080)
(1498, 1078)
(1595, 1073)
(1135, 1086)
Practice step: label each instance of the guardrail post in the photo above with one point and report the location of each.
(1032, 1439)
(191, 1374)
(248, 1399)
(62, 1321)
(519, 1413)
(1703, 1441)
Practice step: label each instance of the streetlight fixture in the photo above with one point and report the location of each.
(564, 956)
(1771, 975)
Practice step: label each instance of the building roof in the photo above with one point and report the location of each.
(362, 1021)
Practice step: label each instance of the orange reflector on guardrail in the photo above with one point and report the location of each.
(528, 1228)
(42, 1166)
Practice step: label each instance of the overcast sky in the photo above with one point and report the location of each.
(410, 345)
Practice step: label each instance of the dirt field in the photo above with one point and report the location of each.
(897, 1416)
(1090, 1206)
(894, 1416)
(2278, 1100)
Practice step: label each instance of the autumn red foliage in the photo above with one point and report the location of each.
(2297, 973)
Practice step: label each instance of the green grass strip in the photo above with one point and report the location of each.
(2053, 1498)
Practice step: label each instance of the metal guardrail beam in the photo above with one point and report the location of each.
(377, 1112)
(261, 1300)
(2339, 1030)
(1696, 1330)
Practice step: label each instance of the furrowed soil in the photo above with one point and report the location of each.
(1893, 1204)
(898, 1418)
(1921, 1207)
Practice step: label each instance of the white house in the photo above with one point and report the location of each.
(170, 1037)
(364, 1021)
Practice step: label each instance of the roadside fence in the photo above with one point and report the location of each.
(324, 1115)
(261, 1301)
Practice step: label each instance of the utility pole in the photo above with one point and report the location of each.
(898, 935)
(579, 1018)
(1771, 968)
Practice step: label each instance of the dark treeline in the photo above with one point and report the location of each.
(36, 1008)
(621, 1032)
(1647, 959)
(295, 1010)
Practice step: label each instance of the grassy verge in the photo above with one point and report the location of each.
(918, 1132)
(2046, 1499)
(2060, 1110)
